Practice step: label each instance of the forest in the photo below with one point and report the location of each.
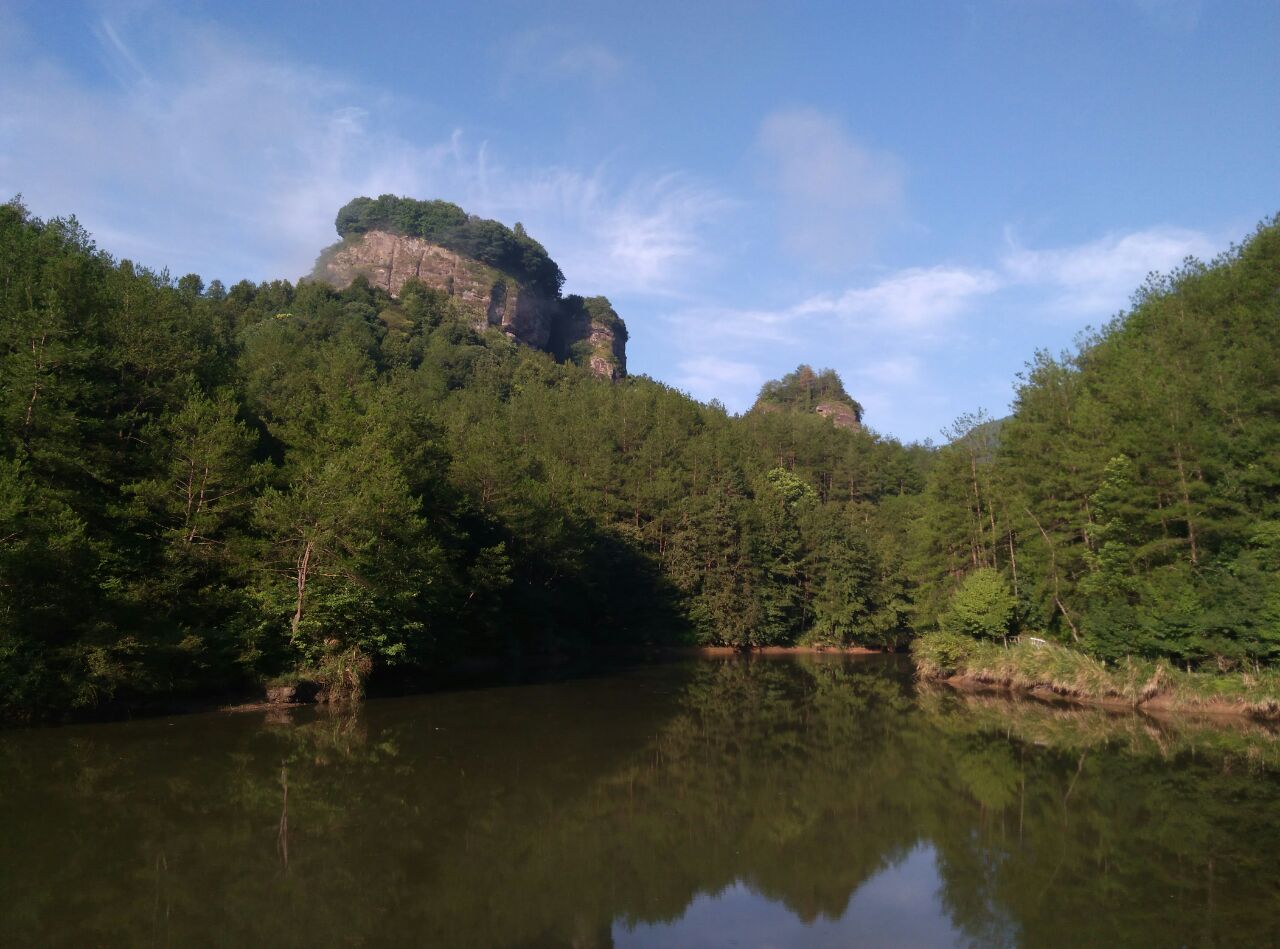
(206, 489)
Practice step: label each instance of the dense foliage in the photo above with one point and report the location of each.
(1132, 500)
(805, 389)
(203, 488)
(510, 250)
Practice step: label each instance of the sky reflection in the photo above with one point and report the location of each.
(898, 908)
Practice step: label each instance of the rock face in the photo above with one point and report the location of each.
(590, 333)
(587, 332)
(841, 415)
(388, 261)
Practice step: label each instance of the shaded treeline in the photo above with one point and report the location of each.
(203, 488)
(1131, 503)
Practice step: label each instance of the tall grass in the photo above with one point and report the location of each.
(1031, 666)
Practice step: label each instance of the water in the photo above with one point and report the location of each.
(773, 802)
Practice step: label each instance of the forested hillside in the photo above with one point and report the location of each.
(205, 488)
(1131, 504)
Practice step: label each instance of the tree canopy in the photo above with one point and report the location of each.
(206, 487)
(804, 390)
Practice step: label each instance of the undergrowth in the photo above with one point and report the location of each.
(1027, 665)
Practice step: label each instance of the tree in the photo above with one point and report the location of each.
(983, 606)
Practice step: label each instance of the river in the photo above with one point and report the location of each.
(778, 801)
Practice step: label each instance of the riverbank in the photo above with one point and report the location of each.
(286, 692)
(708, 652)
(1046, 670)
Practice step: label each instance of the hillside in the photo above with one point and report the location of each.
(331, 484)
(1131, 503)
(209, 488)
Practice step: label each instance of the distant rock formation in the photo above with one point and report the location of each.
(586, 331)
(807, 391)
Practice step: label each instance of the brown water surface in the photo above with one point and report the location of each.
(780, 801)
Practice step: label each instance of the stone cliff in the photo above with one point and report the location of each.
(388, 261)
(586, 331)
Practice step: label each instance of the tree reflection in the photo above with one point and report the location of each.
(542, 815)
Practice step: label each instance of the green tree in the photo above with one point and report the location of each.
(983, 606)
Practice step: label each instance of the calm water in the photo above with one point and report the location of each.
(772, 802)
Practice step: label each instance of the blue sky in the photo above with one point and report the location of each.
(916, 194)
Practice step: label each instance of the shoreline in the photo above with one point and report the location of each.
(1162, 705)
(709, 652)
(463, 673)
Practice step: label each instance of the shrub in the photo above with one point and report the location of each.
(982, 607)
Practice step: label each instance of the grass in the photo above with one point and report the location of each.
(1046, 667)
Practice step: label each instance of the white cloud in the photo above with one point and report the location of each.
(554, 54)
(901, 341)
(645, 237)
(711, 377)
(206, 154)
(1097, 278)
(915, 300)
(836, 195)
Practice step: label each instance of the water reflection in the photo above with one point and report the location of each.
(897, 908)
(731, 803)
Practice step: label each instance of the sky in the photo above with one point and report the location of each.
(918, 195)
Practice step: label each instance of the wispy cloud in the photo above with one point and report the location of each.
(917, 300)
(835, 194)
(1098, 277)
(119, 57)
(555, 54)
(711, 377)
(645, 236)
(200, 127)
(890, 337)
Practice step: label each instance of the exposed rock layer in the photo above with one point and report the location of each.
(841, 415)
(588, 332)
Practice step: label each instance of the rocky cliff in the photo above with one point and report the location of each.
(510, 291)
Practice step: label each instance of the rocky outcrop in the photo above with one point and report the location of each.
(388, 261)
(585, 331)
(804, 391)
(840, 414)
(589, 332)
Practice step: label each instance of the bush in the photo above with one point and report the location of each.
(941, 653)
(982, 607)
